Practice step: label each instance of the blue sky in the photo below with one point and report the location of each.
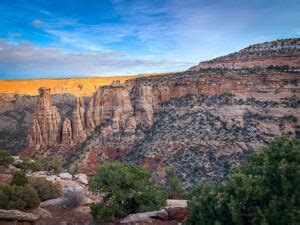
(65, 38)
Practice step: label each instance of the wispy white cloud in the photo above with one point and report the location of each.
(25, 58)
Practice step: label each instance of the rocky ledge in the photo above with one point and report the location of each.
(285, 52)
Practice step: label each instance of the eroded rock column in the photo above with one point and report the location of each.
(45, 129)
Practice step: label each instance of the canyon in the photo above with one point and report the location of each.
(202, 121)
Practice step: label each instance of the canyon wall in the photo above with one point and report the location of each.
(119, 118)
(201, 122)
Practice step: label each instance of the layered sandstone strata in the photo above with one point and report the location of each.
(46, 126)
(110, 103)
(67, 135)
(171, 119)
(144, 106)
(47, 129)
(147, 97)
(78, 122)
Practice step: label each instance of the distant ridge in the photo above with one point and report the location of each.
(78, 86)
(277, 53)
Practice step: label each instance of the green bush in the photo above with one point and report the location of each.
(127, 189)
(263, 191)
(46, 189)
(173, 184)
(19, 179)
(27, 164)
(50, 163)
(5, 158)
(18, 197)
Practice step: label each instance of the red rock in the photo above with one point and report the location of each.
(78, 122)
(46, 127)
(177, 213)
(67, 135)
(110, 103)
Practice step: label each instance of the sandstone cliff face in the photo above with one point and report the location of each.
(111, 125)
(46, 127)
(78, 122)
(275, 53)
(17, 114)
(150, 96)
(47, 131)
(144, 106)
(200, 122)
(110, 103)
(67, 135)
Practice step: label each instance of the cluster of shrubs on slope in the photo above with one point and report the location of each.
(24, 192)
(27, 192)
(127, 189)
(47, 163)
(263, 191)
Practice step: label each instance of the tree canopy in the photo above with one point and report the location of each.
(127, 189)
(263, 191)
(5, 158)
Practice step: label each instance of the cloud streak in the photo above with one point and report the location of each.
(25, 58)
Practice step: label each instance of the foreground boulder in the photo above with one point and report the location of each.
(51, 202)
(65, 176)
(82, 178)
(176, 210)
(146, 217)
(16, 215)
(42, 213)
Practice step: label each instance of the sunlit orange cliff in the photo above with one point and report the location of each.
(76, 86)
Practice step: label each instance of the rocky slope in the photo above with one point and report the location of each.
(201, 122)
(275, 53)
(203, 136)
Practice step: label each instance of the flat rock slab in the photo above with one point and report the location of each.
(176, 203)
(65, 176)
(145, 217)
(55, 201)
(17, 215)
